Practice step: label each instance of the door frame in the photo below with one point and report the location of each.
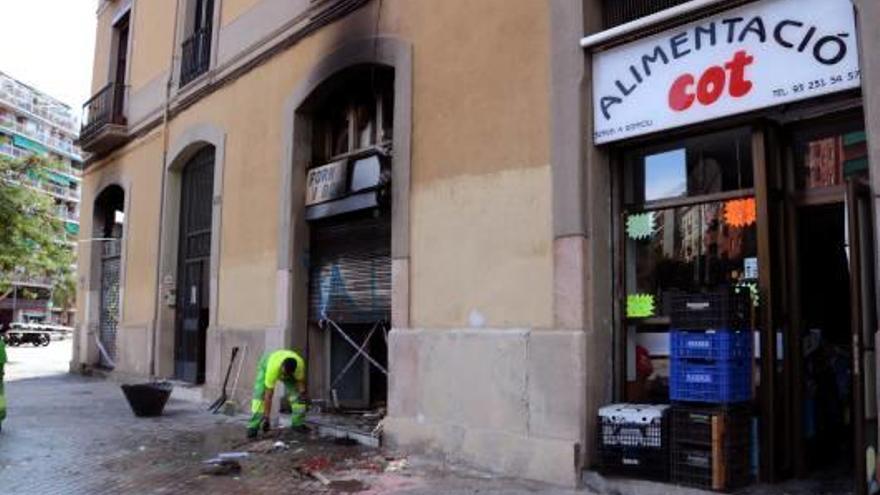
(795, 199)
(204, 262)
(184, 146)
(859, 189)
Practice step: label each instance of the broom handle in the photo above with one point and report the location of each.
(238, 373)
(229, 369)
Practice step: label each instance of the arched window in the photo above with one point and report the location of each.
(356, 115)
(109, 219)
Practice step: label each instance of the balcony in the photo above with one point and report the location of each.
(104, 124)
(195, 57)
(12, 152)
(23, 99)
(63, 193)
(67, 216)
(58, 145)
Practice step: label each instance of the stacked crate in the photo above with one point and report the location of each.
(634, 441)
(710, 386)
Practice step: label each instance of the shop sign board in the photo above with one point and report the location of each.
(760, 55)
(326, 182)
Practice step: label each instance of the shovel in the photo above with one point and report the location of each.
(217, 404)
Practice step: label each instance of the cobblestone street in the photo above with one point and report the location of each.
(76, 435)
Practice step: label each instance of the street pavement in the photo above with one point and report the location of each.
(69, 434)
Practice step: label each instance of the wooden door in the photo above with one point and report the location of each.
(193, 272)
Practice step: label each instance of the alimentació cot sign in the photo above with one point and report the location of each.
(759, 55)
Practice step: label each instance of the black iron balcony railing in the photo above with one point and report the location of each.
(196, 56)
(617, 12)
(105, 108)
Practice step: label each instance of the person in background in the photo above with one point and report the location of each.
(2, 366)
(289, 368)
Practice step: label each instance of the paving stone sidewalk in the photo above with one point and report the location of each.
(73, 435)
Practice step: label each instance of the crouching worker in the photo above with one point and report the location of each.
(288, 367)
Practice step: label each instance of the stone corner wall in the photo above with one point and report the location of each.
(509, 401)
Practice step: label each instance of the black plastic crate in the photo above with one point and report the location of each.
(694, 425)
(633, 441)
(635, 462)
(725, 309)
(713, 468)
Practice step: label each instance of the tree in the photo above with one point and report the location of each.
(31, 236)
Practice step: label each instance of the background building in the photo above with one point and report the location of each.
(32, 122)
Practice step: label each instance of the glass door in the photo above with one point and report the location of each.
(831, 293)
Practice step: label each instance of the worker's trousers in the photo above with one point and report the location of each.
(258, 407)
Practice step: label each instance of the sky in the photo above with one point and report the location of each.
(48, 44)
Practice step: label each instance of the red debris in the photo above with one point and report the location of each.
(319, 463)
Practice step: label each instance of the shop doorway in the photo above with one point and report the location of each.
(826, 355)
(784, 210)
(350, 300)
(347, 229)
(829, 363)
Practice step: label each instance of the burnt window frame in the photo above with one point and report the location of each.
(369, 89)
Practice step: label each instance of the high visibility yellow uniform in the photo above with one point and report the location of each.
(268, 375)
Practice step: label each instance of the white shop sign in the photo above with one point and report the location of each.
(762, 54)
(326, 182)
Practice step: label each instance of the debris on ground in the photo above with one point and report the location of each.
(221, 467)
(396, 465)
(233, 455)
(348, 486)
(320, 477)
(261, 447)
(317, 463)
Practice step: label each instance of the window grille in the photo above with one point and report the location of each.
(617, 12)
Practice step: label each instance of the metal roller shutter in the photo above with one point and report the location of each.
(350, 270)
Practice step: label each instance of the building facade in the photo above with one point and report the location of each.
(32, 122)
(469, 215)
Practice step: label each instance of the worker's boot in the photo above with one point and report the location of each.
(252, 433)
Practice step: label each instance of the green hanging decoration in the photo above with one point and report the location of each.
(640, 306)
(641, 226)
(752, 289)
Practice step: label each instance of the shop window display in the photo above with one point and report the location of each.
(690, 226)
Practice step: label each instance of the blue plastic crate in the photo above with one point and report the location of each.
(715, 382)
(713, 344)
